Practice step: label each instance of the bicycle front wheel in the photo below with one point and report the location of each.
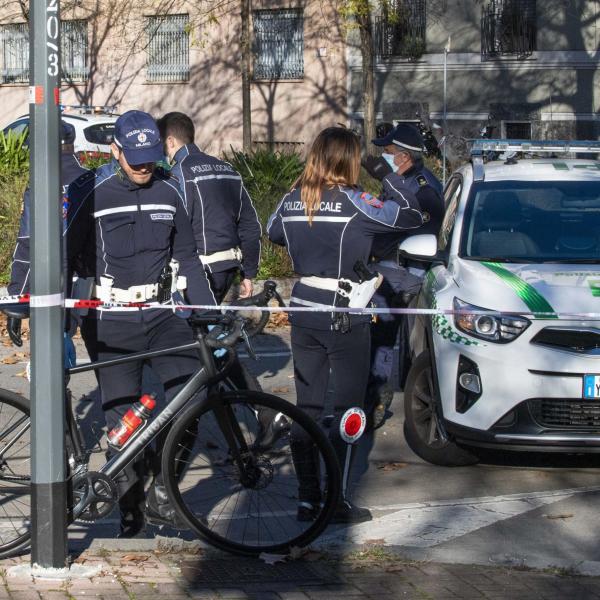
(15, 473)
(242, 495)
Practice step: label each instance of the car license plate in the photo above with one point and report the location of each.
(591, 387)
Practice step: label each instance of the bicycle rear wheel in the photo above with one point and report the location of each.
(15, 473)
(254, 509)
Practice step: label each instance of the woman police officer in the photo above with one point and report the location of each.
(328, 226)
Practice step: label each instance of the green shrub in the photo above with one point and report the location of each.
(14, 154)
(11, 198)
(268, 176)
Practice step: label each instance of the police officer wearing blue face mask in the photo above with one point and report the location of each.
(402, 165)
(70, 169)
(128, 234)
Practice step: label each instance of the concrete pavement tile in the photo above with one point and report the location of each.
(202, 594)
(24, 595)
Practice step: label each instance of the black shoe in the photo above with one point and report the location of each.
(347, 512)
(307, 512)
(132, 525)
(267, 437)
(378, 415)
(159, 511)
(164, 515)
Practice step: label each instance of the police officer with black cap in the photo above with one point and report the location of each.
(403, 149)
(129, 235)
(223, 217)
(70, 169)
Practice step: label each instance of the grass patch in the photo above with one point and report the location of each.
(11, 204)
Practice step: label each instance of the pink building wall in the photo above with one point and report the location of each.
(283, 111)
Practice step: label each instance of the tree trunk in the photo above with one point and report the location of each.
(246, 66)
(368, 81)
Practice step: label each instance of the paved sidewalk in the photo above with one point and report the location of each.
(370, 574)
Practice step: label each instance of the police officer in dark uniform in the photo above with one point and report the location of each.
(328, 227)
(70, 169)
(223, 218)
(129, 235)
(403, 149)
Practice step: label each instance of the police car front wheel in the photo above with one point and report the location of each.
(421, 426)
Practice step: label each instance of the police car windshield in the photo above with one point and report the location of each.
(533, 222)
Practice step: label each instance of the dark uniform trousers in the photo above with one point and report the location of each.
(324, 357)
(220, 282)
(120, 385)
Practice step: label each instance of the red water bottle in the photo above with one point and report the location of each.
(132, 420)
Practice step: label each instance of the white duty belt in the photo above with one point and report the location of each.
(136, 293)
(358, 294)
(222, 255)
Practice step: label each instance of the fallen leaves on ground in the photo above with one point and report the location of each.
(135, 558)
(21, 374)
(280, 390)
(392, 466)
(559, 516)
(10, 360)
(279, 319)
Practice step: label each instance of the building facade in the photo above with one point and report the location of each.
(167, 55)
(524, 68)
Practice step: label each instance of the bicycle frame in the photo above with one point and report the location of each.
(208, 373)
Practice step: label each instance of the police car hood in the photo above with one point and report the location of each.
(529, 288)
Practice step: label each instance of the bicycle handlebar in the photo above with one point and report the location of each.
(269, 292)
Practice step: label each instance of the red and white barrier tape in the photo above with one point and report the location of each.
(57, 300)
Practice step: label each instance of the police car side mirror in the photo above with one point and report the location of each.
(421, 247)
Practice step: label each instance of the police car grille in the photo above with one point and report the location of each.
(580, 340)
(561, 413)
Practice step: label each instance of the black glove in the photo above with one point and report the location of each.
(13, 325)
(377, 167)
(14, 316)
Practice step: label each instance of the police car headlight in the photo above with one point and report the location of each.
(491, 327)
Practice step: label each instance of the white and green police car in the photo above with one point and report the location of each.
(520, 247)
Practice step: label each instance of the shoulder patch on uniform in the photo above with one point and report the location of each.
(422, 180)
(371, 200)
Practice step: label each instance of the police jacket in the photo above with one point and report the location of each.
(70, 169)
(428, 190)
(219, 208)
(126, 232)
(341, 233)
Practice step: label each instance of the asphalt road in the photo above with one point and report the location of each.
(529, 510)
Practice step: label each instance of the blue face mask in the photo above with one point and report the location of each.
(389, 159)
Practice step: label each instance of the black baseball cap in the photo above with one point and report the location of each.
(137, 136)
(403, 135)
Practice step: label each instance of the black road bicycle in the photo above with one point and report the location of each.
(224, 484)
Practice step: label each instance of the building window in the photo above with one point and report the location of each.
(516, 130)
(73, 45)
(278, 44)
(15, 53)
(14, 42)
(508, 28)
(400, 30)
(168, 49)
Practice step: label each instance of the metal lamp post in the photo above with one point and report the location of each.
(48, 487)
